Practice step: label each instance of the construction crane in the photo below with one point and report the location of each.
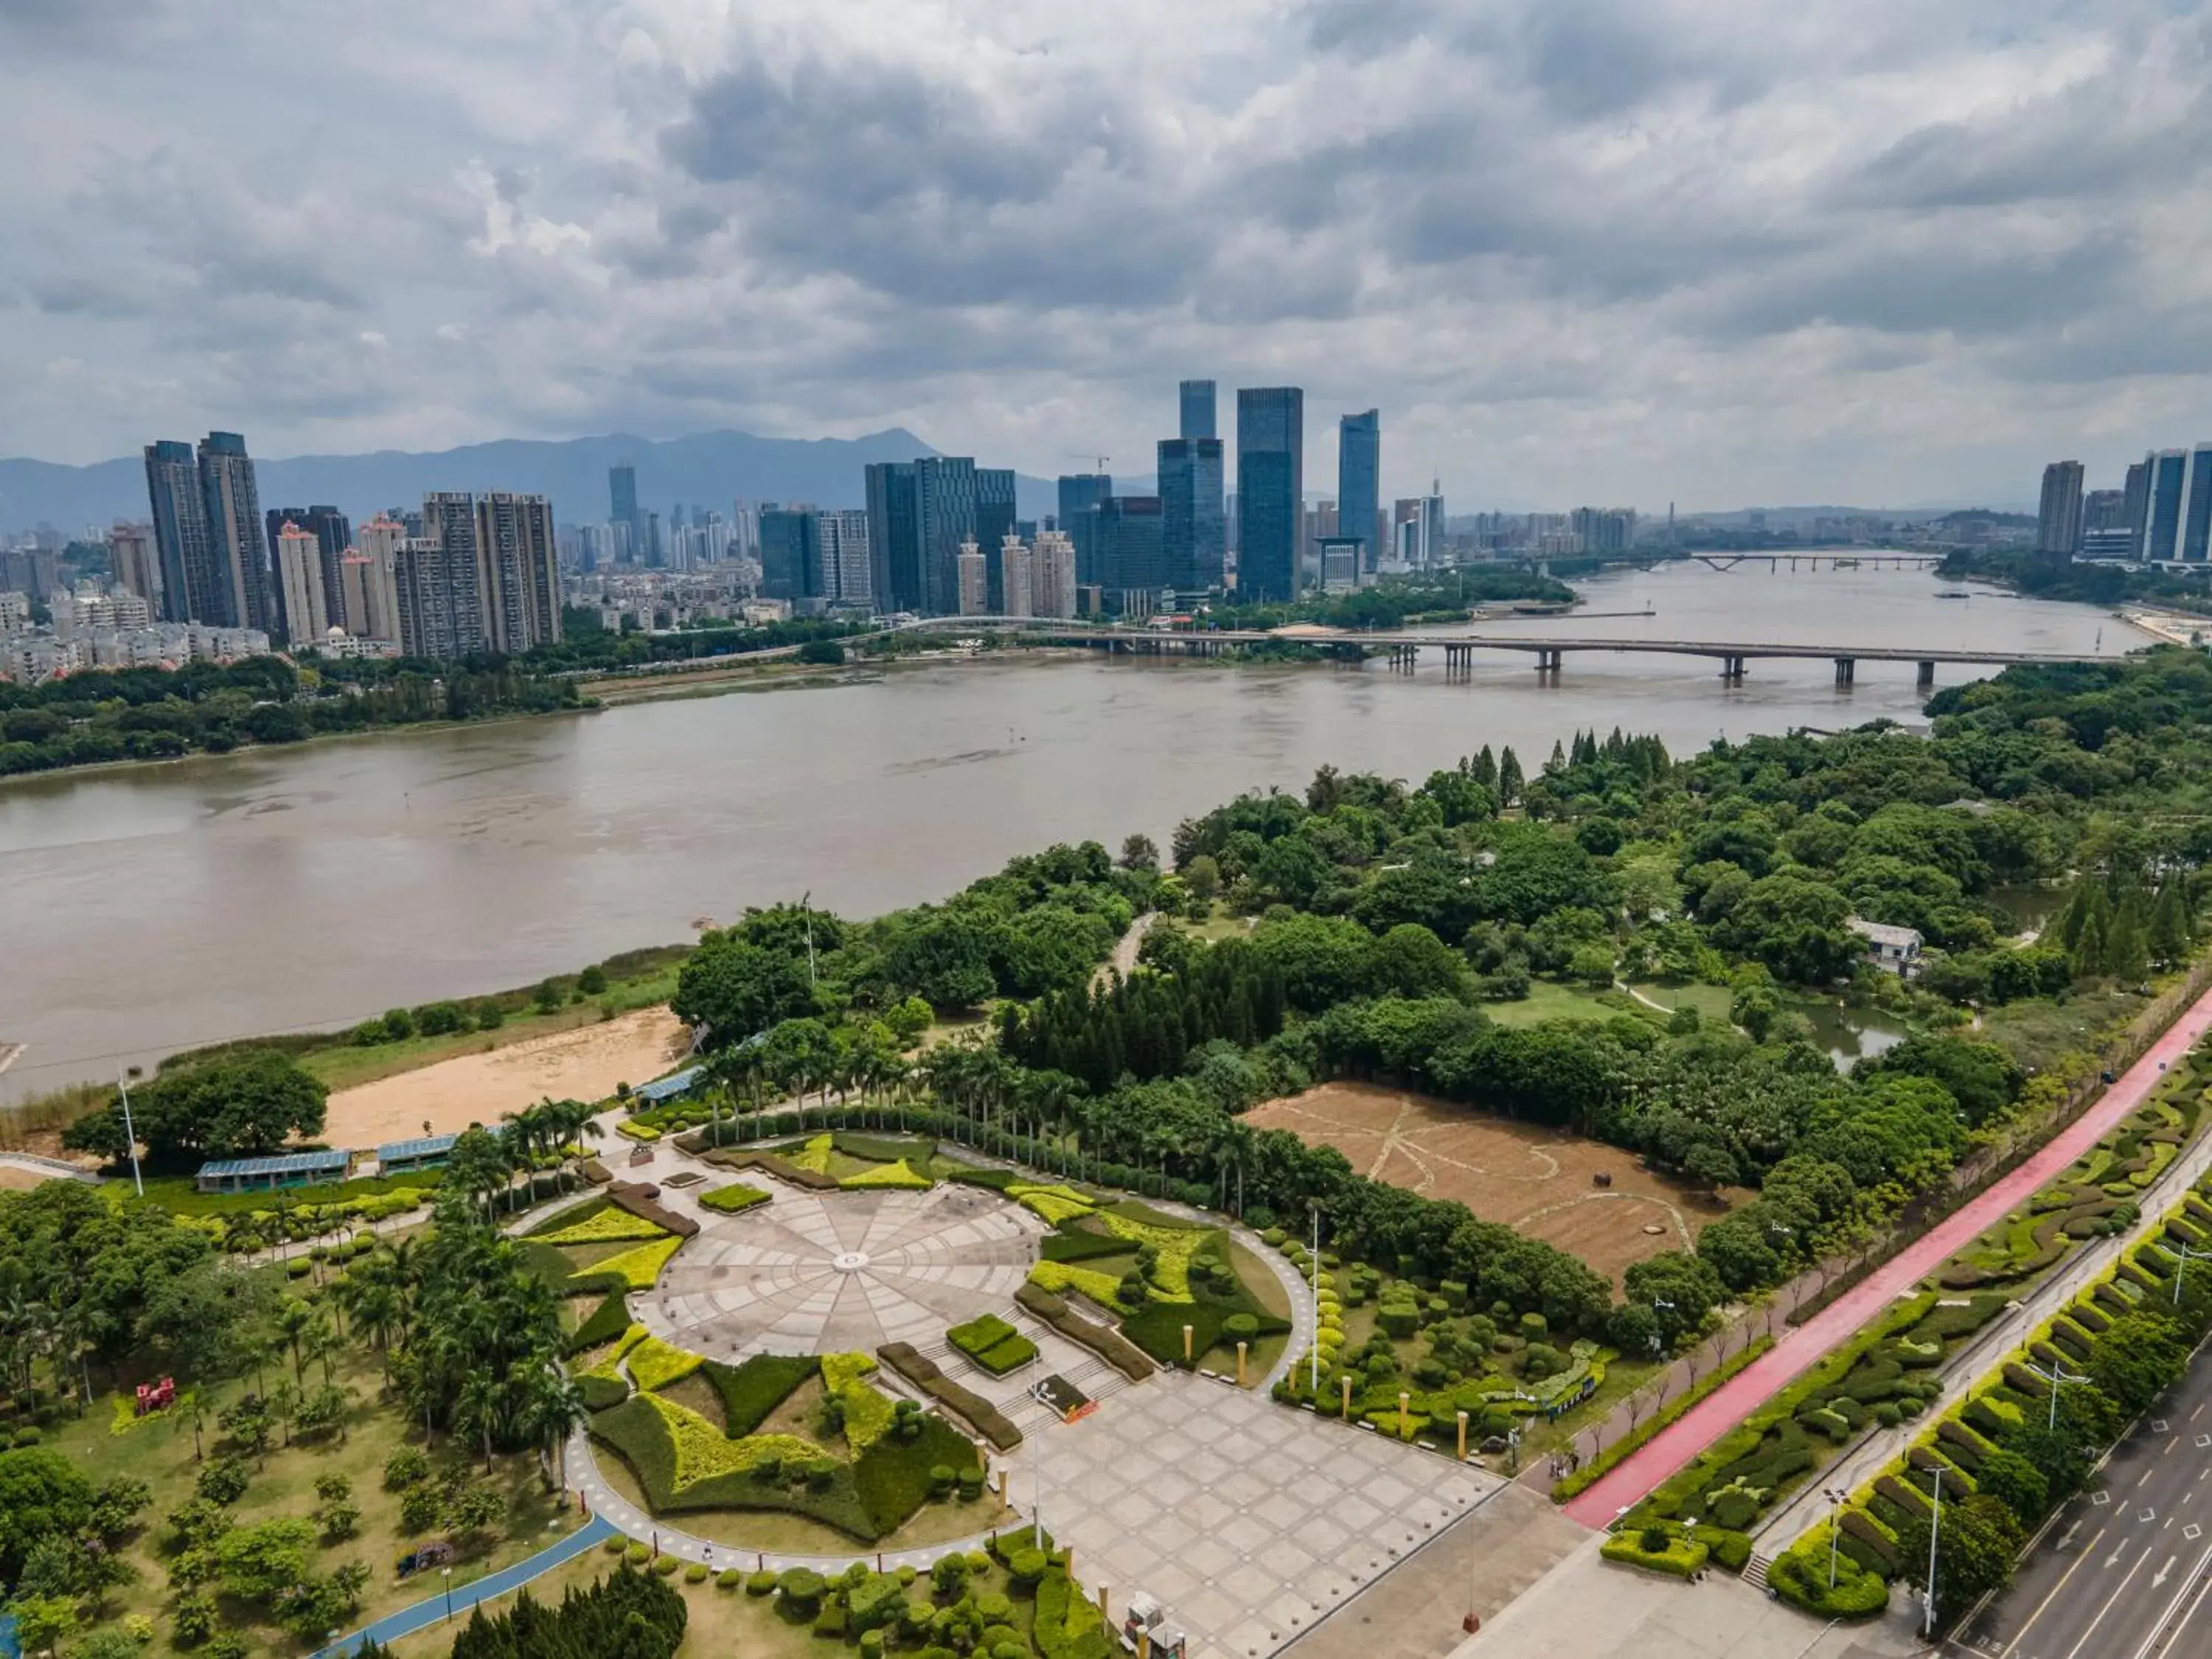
(1100, 461)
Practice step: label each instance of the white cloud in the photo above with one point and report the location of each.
(1702, 250)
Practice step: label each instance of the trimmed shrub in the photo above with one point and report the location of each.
(980, 1414)
(751, 1390)
(761, 1583)
(732, 1199)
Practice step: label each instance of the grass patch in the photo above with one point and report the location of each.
(732, 1199)
(1548, 999)
(992, 1343)
(751, 1391)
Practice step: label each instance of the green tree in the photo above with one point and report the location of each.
(1976, 1544)
(42, 1495)
(737, 989)
(237, 1105)
(2170, 940)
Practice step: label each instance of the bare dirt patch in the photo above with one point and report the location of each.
(14, 1178)
(584, 1064)
(1530, 1176)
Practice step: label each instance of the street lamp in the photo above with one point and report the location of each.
(1656, 1306)
(1934, 1530)
(1836, 1495)
(2056, 1375)
(1314, 1384)
(130, 1136)
(448, 1572)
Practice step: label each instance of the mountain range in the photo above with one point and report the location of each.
(707, 469)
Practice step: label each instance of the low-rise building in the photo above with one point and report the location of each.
(1893, 949)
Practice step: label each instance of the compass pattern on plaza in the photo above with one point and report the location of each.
(844, 1272)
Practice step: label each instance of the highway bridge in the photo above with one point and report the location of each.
(1403, 649)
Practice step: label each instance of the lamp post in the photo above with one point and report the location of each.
(130, 1135)
(2182, 1271)
(448, 1572)
(2056, 1375)
(1935, 1531)
(1835, 1495)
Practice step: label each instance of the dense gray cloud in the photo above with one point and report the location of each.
(1708, 251)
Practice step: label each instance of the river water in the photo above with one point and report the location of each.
(149, 908)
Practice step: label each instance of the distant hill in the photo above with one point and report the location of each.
(708, 469)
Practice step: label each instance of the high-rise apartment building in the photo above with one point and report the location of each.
(1016, 576)
(2136, 512)
(369, 581)
(238, 535)
(136, 563)
(1081, 496)
(971, 581)
(304, 612)
(1193, 531)
(1359, 483)
(842, 574)
(1052, 575)
(2058, 524)
(520, 564)
(1199, 402)
(1270, 490)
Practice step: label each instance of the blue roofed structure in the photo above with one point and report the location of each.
(423, 1152)
(668, 1088)
(250, 1175)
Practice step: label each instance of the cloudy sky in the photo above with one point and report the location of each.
(1721, 252)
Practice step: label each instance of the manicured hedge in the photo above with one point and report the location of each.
(769, 1163)
(573, 1216)
(1800, 1576)
(891, 1477)
(601, 1392)
(986, 1418)
(1078, 1246)
(992, 1343)
(641, 1202)
(606, 1322)
(1683, 1557)
(732, 1199)
(751, 1390)
(1109, 1345)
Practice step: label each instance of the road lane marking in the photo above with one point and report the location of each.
(2073, 1652)
(2053, 1595)
(2162, 1575)
(2192, 1583)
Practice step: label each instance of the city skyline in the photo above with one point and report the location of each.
(1878, 256)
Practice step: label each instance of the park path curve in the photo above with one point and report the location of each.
(1799, 1349)
(490, 1588)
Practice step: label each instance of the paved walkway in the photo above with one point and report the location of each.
(52, 1168)
(1798, 1350)
(465, 1597)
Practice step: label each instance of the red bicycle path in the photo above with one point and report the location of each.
(1799, 1348)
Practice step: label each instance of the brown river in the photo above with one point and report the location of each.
(149, 908)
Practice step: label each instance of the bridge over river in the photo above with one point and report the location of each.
(1404, 649)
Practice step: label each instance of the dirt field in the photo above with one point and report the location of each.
(1533, 1178)
(14, 1178)
(584, 1064)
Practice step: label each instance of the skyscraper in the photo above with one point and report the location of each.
(994, 522)
(2136, 510)
(1193, 531)
(970, 580)
(1358, 482)
(370, 581)
(1199, 402)
(183, 547)
(334, 534)
(2058, 528)
(894, 537)
(1270, 490)
(790, 558)
(1132, 553)
(944, 500)
(1081, 494)
(1018, 582)
(237, 534)
(621, 502)
(2167, 471)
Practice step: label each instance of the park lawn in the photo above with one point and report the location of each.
(1622, 1378)
(345, 1066)
(1712, 1002)
(1548, 999)
(1221, 923)
(722, 1621)
(160, 1454)
(1272, 1297)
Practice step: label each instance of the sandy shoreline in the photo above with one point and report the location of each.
(582, 1064)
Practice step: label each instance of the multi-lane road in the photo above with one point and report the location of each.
(2125, 1570)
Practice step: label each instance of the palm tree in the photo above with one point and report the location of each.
(552, 1410)
(477, 1408)
(294, 1324)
